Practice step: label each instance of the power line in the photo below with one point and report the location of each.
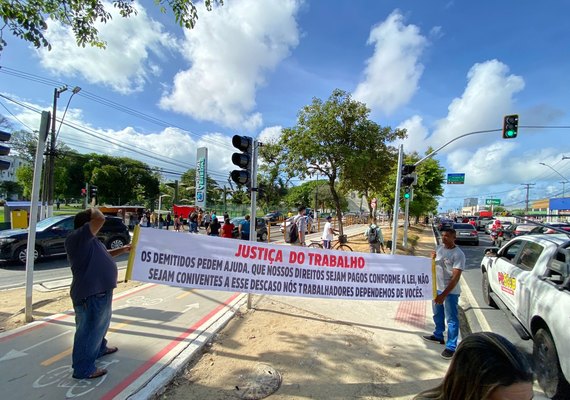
(109, 103)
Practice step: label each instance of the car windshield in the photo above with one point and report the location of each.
(47, 223)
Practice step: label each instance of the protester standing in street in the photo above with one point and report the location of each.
(450, 263)
(243, 228)
(328, 233)
(214, 228)
(228, 229)
(168, 221)
(301, 221)
(375, 239)
(207, 220)
(94, 278)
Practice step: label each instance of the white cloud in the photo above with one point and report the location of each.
(270, 134)
(392, 73)
(231, 51)
(125, 65)
(417, 135)
(487, 98)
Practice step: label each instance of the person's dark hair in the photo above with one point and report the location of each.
(450, 230)
(247, 217)
(81, 218)
(227, 221)
(482, 362)
(301, 208)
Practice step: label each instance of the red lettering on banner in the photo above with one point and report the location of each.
(259, 253)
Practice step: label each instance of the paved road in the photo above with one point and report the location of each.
(152, 325)
(494, 320)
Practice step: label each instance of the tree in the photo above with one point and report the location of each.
(9, 188)
(27, 20)
(429, 186)
(305, 194)
(24, 177)
(188, 187)
(333, 139)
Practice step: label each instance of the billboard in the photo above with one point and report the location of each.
(562, 203)
(201, 176)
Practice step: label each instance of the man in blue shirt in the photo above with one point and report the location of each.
(243, 228)
(94, 278)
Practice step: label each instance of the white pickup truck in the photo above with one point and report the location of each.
(529, 279)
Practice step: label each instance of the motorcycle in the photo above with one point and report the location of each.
(497, 236)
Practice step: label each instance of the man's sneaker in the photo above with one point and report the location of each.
(447, 354)
(433, 339)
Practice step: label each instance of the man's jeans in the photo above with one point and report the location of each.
(448, 310)
(92, 319)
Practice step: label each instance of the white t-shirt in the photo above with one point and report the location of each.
(327, 235)
(446, 260)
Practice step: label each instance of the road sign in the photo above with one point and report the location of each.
(455, 179)
(494, 202)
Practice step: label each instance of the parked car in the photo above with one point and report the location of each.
(529, 279)
(51, 234)
(274, 216)
(538, 230)
(482, 222)
(260, 227)
(287, 222)
(466, 233)
(515, 230)
(445, 224)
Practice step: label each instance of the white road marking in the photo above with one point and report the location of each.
(21, 353)
(191, 306)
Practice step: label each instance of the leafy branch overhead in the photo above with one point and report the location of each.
(336, 140)
(28, 20)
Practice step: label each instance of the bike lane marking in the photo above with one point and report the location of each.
(165, 350)
(5, 336)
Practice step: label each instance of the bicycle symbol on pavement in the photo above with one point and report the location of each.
(62, 376)
(141, 301)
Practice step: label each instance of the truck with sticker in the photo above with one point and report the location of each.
(529, 279)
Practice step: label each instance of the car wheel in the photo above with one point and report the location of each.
(547, 366)
(115, 243)
(487, 291)
(263, 237)
(21, 254)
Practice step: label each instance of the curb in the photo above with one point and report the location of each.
(159, 382)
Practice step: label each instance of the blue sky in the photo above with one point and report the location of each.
(437, 68)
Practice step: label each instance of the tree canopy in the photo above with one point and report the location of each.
(336, 140)
(27, 20)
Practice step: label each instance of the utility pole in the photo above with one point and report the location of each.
(528, 185)
(50, 164)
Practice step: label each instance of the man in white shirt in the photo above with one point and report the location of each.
(328, 233)
(301, 221)
(450, 263)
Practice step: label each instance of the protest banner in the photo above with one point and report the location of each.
(207, 262)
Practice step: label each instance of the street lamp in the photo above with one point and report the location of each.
(563, 177)
(160, 203)
(50, 170)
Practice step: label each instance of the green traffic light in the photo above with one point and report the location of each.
(511, 133)
(406, 195)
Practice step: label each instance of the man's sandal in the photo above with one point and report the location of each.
(99, 372)
(110, 350)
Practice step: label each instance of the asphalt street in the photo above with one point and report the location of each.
(481, 316)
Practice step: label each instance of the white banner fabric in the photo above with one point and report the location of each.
(215, 263)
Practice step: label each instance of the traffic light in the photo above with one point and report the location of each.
(407, 169)
(243, 160)
(510, 126)
(4, 150)
(92, 191)
(407, 192)
(408, 180)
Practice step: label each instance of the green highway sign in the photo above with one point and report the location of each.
(494, 202)
(455, 179)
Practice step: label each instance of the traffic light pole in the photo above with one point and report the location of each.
(253, 220)
(396, 211)
(406, 214)
(44, 124)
